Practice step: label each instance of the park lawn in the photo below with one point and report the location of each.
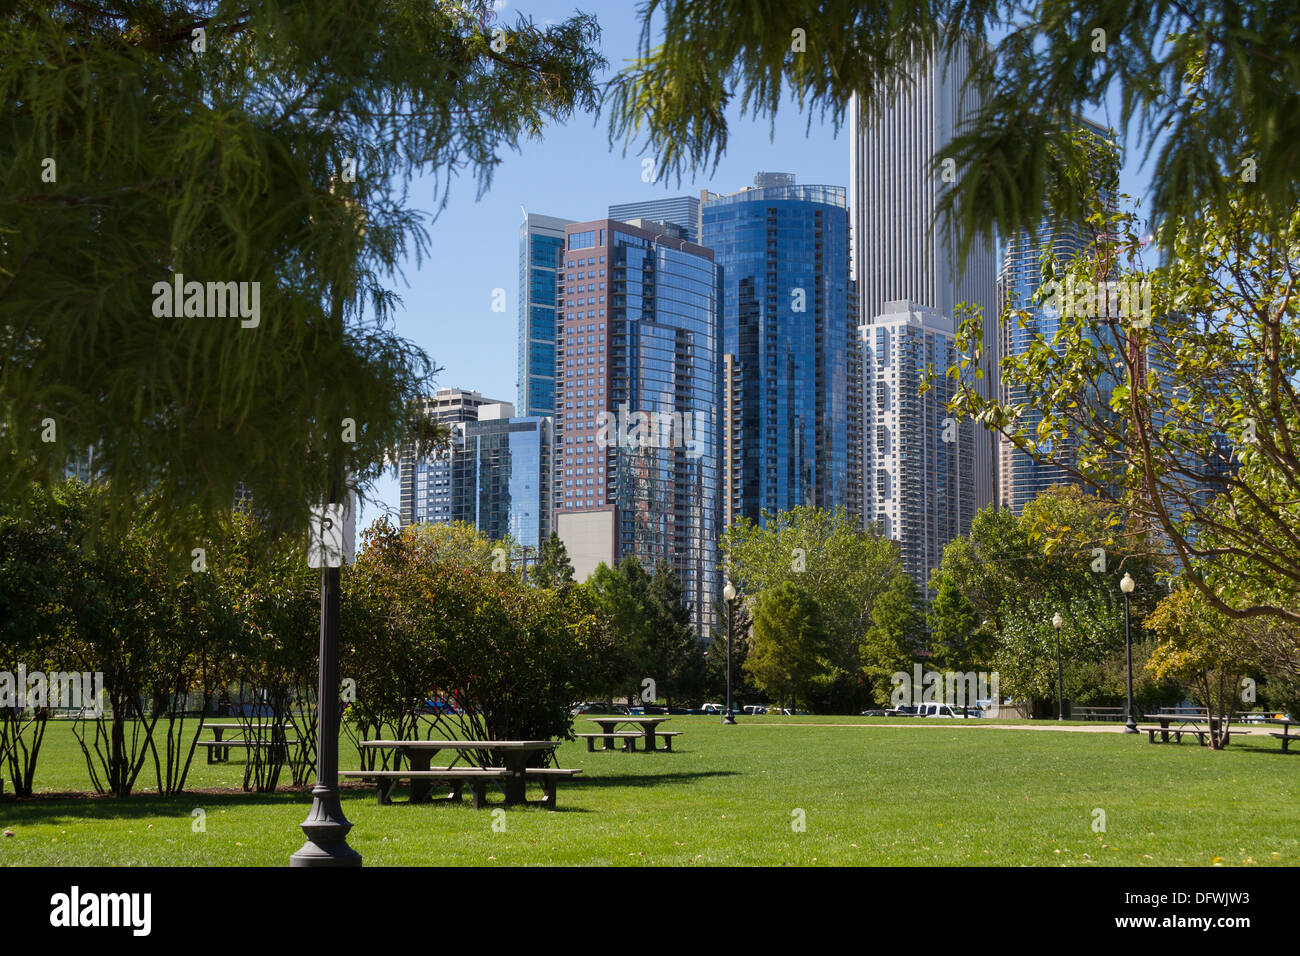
(932, 795)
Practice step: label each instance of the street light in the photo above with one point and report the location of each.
(729, 595)
(1126, 585)
(326, 827)
(1060, 686)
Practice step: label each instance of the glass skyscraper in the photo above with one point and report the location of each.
(541, 247)
(1020, 477)
(502, 478)
(637, 434)
(427, 482)
(792, 389)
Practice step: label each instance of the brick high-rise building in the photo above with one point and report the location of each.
(638, 400)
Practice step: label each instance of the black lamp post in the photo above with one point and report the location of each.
(729, 594)
(1060, 684)
(1126, 585)
(326, 827)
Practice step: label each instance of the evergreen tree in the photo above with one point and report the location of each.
(790, 645)
(673, 658)
(553, 568)
(896, 636)
(623, 594)
(957, 640)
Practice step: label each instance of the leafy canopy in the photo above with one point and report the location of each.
(231, 160)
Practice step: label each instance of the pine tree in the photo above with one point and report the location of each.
(673, 659)
(553, 568)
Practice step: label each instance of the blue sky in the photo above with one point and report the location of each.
(447, 302)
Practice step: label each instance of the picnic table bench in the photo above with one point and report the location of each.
(1189, 725)
(514, 775)
(1285, 736)
(422, 781)
(628, 738)
(218, 749)
(648, 732)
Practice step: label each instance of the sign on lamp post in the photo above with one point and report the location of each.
(330, 543)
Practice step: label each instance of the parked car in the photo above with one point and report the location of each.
(755, 709)
(874, 713)
(598, 707)
(937, 710)
(902, 710)
(714, 708)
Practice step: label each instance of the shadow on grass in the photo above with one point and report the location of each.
(648, 779)
(1263, 748)
(49, 807)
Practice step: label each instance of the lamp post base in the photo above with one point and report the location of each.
(728, 720)
(1131, 727)
(327, 833)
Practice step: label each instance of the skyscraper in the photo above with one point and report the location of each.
(1020, 477)
(792, 359)
(899, 250)
(501, 476)
(426, 484)
(917, 457)
(541, 247)
(681, 211)
(636, 433)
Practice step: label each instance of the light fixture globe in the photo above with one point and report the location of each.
(1127, 584)
(729, 592)
(1057, 620)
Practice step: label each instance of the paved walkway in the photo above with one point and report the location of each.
(985, 724)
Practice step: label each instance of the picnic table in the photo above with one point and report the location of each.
(218, 749)
(513, 754)
(609, 732)
(1285, 736)
(1187, 724)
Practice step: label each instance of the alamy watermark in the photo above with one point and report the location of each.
(218, 300)
(954, 688)
(647, 430)
(81, 691)
(1086, 299)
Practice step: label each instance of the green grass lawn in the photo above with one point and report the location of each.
(728, 795)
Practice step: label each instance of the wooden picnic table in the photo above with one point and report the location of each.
(514, 755)
(1285, 736)
(648, 724)
(218, 754)
(1165, 720)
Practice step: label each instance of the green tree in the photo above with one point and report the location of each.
(623, 595)
(1065, 553)
(553, 568)
(842, 568)
(1208, 650)
(266, 144)
(264, 577)
(958, 641)
(896, 637)
(1181, 414)
(40, 551)
(789, 649)
(675, 662)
